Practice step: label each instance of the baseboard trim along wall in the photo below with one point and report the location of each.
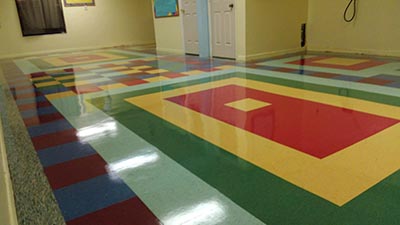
(263, 55)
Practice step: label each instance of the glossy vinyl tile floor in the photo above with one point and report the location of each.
(125, 136)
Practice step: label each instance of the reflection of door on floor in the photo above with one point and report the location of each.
(223, 28)
(190, 27)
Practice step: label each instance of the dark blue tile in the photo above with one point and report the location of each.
(91, 195)
(395, 84)
(38, 111)
(48, 128)
(64, 153)
(388, 77)
(53, 89)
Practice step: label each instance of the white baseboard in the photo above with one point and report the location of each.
(263, 55)
(61, 50)
(8, 213)
(372, 52)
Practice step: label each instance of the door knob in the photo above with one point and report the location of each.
(231, 6)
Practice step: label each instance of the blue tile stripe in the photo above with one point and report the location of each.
(91, 195)
(48, 128)
(63, 153)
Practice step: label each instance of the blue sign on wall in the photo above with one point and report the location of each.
(166, 8)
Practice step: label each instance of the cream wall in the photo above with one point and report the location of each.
(240, 17)
(273, 27)
(109, 23)
(376, 29)
(168, 33)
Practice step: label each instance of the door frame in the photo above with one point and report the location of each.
(183, 26)
(210, 30)
(240, 28)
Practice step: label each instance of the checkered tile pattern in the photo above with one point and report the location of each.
(88, 79)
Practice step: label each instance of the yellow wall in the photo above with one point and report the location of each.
(168, 32)
(376, 29)
(273, 27)
(109, 23)
(240, 17)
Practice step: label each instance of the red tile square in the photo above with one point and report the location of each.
(376, 81)
(54, 139)
(174, 75)
(74, 171)
(133, 82)
(41, 119)
(129, 212)
(310, 127)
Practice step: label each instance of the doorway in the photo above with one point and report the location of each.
(190, 26)
(223, 28)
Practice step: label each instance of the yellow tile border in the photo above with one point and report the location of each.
(68, 77)
(338, 178)
(41, 78)
(112, 86)
(76, 83)
(156, 71)
(193, 72)
(45, 84)
(156, 79)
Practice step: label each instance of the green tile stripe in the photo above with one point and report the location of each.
(269, 198)
(163, 185)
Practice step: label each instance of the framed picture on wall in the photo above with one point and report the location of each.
(166, 8)
(69, 3)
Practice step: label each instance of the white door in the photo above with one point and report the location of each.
(190, 31)
(223, 28)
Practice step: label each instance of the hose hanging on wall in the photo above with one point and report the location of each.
(354, 2)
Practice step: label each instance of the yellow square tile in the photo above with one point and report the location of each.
(60, 95)
(341, 61)
(141, 67)
(41, 78)
(112, 86)
(65, 77)
(76, 83)
(149, 59)
(247, 104)
(45, 84)
(193, 72)
(90, 67)
(156, 71)
(130, 71)
(156, 79)
(224, 67)
(118, 68)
